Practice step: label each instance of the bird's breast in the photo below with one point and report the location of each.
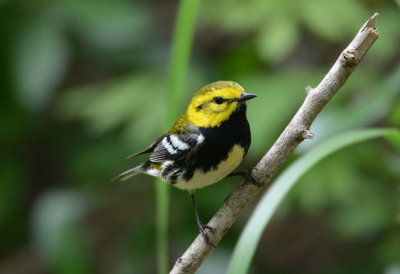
(203, 178)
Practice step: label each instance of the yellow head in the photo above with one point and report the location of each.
(214, 104)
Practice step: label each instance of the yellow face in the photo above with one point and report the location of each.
(214, 104)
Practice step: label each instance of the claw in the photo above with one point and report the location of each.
(207, 226)
(202, 228)
(247, 175)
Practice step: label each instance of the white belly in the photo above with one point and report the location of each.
(202, 179)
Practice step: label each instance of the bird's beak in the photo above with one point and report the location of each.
(246, 96)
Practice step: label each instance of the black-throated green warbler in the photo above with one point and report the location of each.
(206, 143)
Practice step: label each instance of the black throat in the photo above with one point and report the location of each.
(219, 141)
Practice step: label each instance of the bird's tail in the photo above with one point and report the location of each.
(132, 172)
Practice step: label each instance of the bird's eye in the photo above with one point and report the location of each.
(218, 100)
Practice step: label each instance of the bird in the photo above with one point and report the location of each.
(205, 144)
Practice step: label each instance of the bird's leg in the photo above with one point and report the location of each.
(202, 227)
(247, 175)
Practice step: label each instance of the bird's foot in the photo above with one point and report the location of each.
(203, 232)
(247, 175)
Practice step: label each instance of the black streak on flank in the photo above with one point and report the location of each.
(171, 172)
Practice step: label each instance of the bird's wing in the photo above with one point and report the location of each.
(173, 147)
(150, 148)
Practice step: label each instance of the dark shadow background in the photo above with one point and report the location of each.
(83, 85)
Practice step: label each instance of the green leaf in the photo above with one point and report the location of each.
(41, 56)
(247, 244)
(368, 212)
(375, 106)
(111, 104)
(52, 212)
(278, 98)
(389, 28)
(333, 20)
(277, 38)
(109, 25)
(377, 100)
(395, 115)
(393, 136)
(233, 15)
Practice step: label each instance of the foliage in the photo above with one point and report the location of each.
(245, 248)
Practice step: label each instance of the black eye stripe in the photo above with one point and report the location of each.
(219, 100)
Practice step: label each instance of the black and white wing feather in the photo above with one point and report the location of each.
(167, 147)
(174, 147)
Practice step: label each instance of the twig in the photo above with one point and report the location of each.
(295, 132)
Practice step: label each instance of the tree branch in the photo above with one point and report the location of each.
(295, 132)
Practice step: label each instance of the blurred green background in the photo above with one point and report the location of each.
(83, 85)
